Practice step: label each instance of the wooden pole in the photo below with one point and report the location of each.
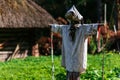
(105, 23)
(105, 13)
(52, 58)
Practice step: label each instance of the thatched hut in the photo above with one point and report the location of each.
(21, 22)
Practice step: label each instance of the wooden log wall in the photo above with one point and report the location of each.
(11, 37)
(25, 37)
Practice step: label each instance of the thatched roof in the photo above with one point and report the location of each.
(23, 14)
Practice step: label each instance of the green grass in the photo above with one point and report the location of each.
(32, 68)
(111, 67)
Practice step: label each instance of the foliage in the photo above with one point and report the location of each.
(30, 68)
(92, 46)
(39, 68)
(90, 9)
(111, 67)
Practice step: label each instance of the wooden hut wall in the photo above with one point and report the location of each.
(10, 37)
(26, 37)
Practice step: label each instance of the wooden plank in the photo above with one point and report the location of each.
(3, 57)
(5, 52)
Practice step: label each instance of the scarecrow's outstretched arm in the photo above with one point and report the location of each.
(56, 28)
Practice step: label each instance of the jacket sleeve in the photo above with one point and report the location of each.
(91, 29)
(56, 28)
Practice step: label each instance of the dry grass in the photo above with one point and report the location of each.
(23, 13)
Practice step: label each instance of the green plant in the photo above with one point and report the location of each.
(39, 68)
(92, 46)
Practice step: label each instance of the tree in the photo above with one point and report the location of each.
(99, 10)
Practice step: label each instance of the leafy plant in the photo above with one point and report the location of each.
(40, 68)
(92, 46)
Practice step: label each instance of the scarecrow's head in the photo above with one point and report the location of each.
(73, 15)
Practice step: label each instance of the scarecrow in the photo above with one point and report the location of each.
(74, 43)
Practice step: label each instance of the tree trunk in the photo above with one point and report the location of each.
(116, 15)
(99, 10)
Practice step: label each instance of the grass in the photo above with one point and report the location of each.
(95, 64)
(32, 68)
